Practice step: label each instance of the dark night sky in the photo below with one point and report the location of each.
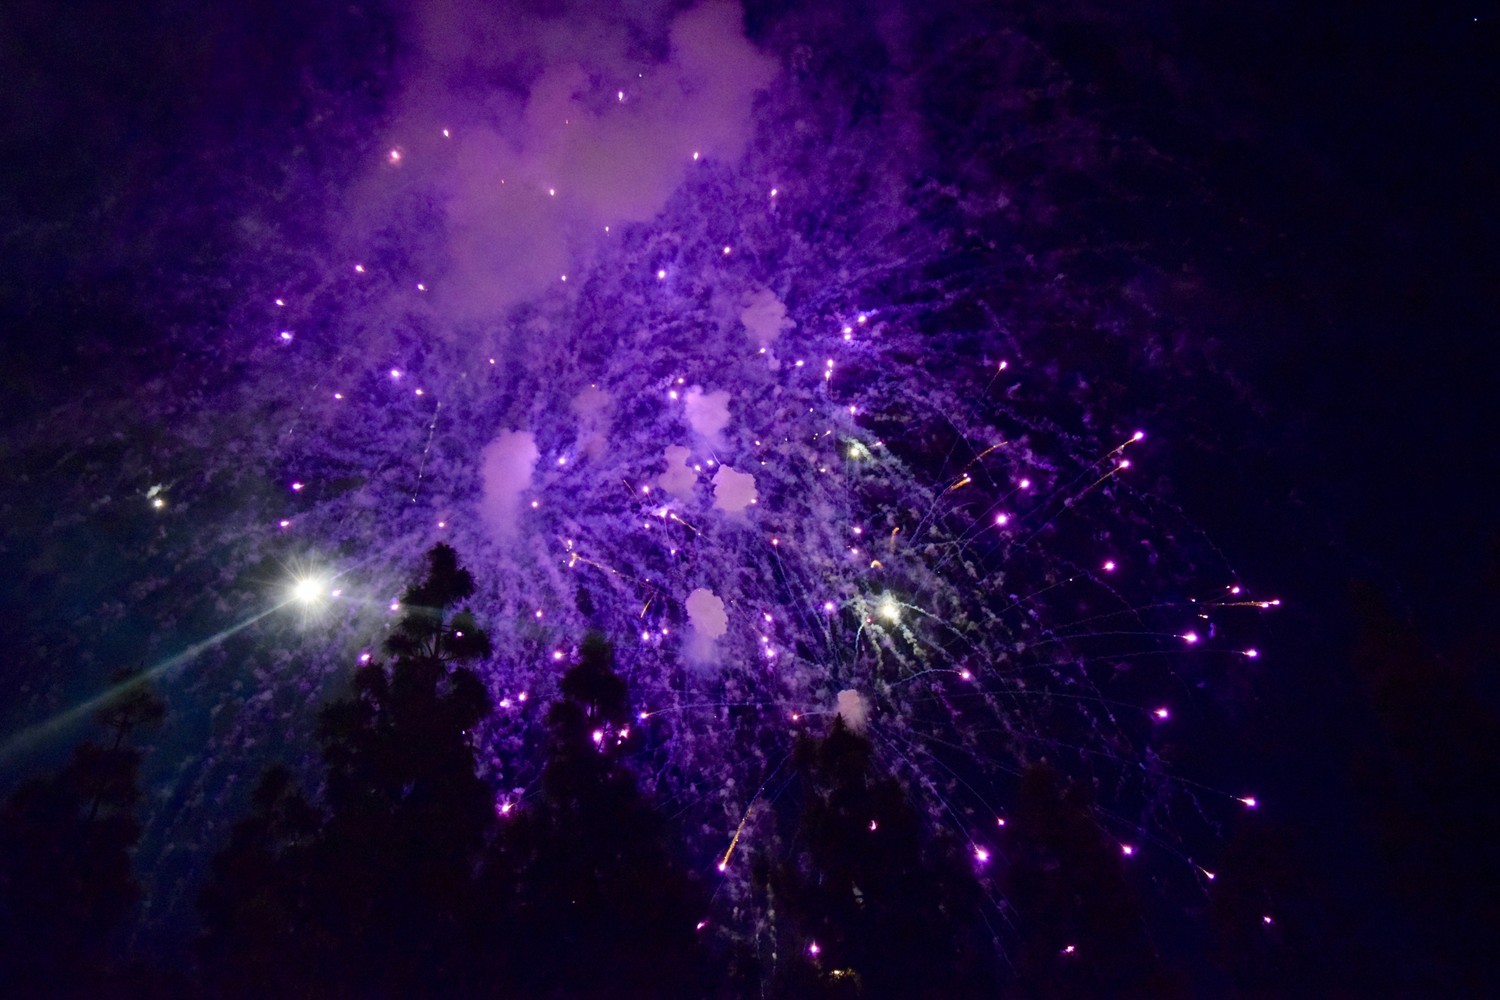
(1355, 139)
(1354, 143)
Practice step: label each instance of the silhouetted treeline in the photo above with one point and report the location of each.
(868, 904)
(66, 876)
(408, 877)
(403, 873)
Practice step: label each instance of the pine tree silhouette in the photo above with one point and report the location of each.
(260, 939)
(871, 904)
(66, 880)
(592, 904)
(1081, 930)
(369, 895)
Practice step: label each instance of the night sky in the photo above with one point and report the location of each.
(1087, 381)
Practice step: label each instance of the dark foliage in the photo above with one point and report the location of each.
(589, 901)
(892, 912)
(400, 881)
(66, 879)
(1428, 788)
(258, 939)
(1081, 930)
(366, 896)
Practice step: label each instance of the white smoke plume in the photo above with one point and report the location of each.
(853, 709)
(530, 131)
(707, 412)
(506, 466)
(734, 491)
(679, 479)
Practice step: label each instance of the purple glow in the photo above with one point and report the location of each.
(632, 379)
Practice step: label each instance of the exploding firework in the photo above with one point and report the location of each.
(796, 440)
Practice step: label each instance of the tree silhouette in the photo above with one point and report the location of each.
(1427, 790)
(259, 937)
(1081, 930)
(871, 905)
(369, 895)
(586, 894)
(66, 879)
